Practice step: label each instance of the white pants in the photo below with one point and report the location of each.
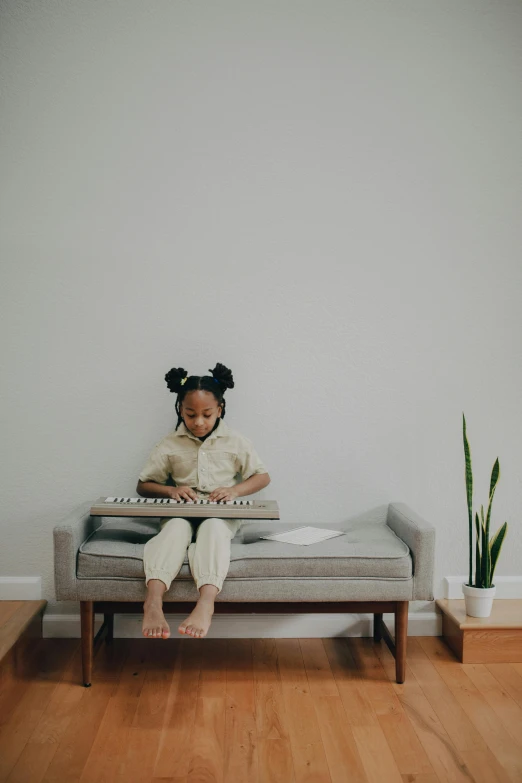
(209, 555)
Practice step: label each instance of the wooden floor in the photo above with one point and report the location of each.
(261, 710)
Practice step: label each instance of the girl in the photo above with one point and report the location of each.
(204, 459)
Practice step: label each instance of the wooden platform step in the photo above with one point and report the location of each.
(493, 639)
(20, 626)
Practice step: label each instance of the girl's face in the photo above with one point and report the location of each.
(199, 411)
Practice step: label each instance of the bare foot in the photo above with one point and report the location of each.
(154, 623)
(198, 621)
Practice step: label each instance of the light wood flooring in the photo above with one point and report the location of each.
(314, 710)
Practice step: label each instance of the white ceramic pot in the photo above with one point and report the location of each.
(478, 600)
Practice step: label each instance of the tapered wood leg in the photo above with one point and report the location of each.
(87, 629)
(377, 630)
(401, 638)
(109, 619)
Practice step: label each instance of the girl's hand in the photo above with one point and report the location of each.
(223, 493)
(182, 493)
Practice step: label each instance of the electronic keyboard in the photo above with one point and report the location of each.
(167, 507)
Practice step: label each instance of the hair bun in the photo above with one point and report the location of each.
(223, 376)
(175, 377)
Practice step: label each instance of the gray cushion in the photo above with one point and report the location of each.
(368, 549)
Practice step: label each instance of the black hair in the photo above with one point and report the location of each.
(178, 381)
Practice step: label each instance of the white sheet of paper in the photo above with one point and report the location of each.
(304, 535)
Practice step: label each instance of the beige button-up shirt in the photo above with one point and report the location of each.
(222, 460)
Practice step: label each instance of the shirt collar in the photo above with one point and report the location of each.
(220, 431)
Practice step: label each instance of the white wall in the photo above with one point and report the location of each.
(325, 196)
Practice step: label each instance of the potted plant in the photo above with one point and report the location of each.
(478, 595)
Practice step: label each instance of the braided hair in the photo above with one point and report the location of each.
(178, 381)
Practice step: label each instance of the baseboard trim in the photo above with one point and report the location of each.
(20, 588)
(507, 586)
(252, 626)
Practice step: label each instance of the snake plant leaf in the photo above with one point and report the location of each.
(477, 550)
(484, 561)
(495, 547)
(495, 473)
(469, 493)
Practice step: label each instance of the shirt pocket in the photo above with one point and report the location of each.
(223, 467)
(184, 469)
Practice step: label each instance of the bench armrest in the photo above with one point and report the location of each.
(69, 535)
(419, 536)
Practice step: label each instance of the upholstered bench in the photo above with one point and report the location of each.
(384, 560)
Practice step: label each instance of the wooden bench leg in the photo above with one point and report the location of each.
(377, 629)
(87, 630)
(401, 638)
(109, 620)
